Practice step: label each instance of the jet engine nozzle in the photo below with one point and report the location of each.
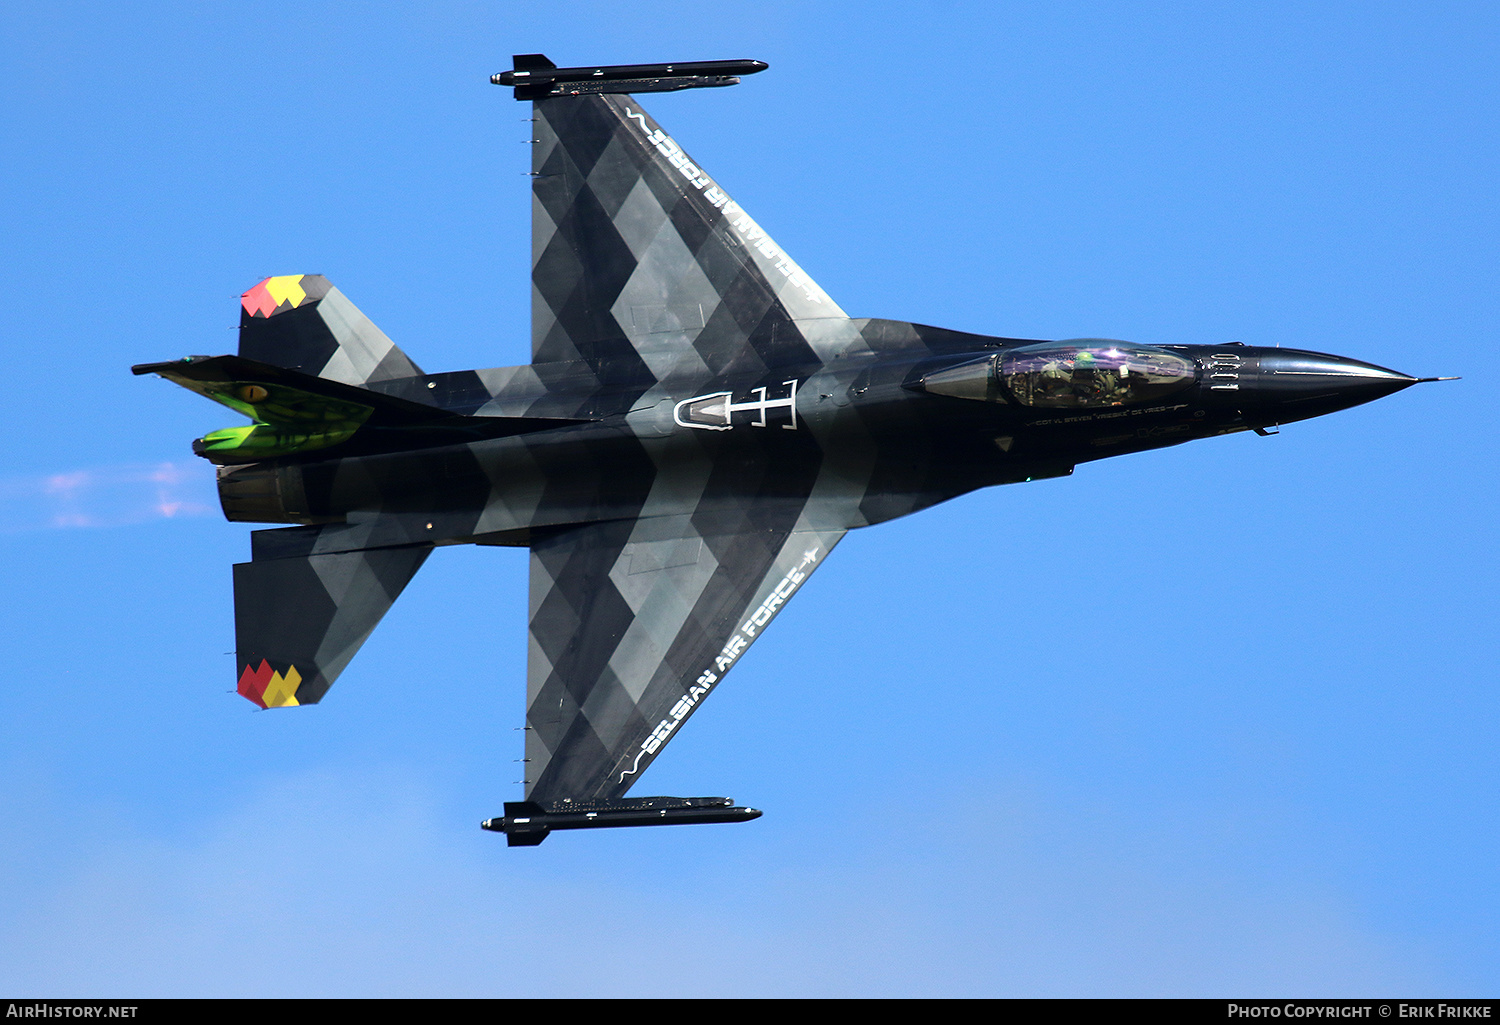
(265, 493)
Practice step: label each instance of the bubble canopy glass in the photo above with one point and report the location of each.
(1076, 374)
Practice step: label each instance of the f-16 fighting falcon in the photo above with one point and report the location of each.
(699, 425)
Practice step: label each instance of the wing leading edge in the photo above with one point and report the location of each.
(643, 268)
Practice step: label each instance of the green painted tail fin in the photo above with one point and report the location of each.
(296, 414)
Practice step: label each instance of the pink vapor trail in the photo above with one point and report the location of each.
(106, 496)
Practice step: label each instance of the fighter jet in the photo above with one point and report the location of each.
(699, 425)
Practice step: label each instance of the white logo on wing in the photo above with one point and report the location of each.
(753, 234)
(738, 642)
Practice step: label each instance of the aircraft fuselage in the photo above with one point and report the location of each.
(917, 427)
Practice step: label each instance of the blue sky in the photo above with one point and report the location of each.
(1218, 719)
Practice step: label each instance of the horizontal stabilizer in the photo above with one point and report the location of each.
(302, 322)
(298, 621)
(527, 823)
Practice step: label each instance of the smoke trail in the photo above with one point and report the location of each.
(106, 496)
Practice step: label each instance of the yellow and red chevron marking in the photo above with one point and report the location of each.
(268, 688)
(268, 296)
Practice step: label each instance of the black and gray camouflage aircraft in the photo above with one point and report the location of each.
(699, 425)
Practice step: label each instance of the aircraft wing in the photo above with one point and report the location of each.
(634, 624)
(643, 267)
(648, 277)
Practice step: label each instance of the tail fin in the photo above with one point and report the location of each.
(642, 266)
(295, 414)
(301, 322)
(299, 617)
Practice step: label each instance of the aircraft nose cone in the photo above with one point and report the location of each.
(1302, 384)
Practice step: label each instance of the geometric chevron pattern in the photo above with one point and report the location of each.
(302, 322)
(643, 267)
(650, 283)
(303, 618)
(707, 455)
(645, 274)
(699, 426)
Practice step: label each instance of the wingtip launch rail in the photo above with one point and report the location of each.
(534, 77)
(527, 823)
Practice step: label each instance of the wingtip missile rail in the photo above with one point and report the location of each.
(534, 77)
(527, 823)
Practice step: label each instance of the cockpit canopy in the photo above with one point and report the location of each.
(1081, 373)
